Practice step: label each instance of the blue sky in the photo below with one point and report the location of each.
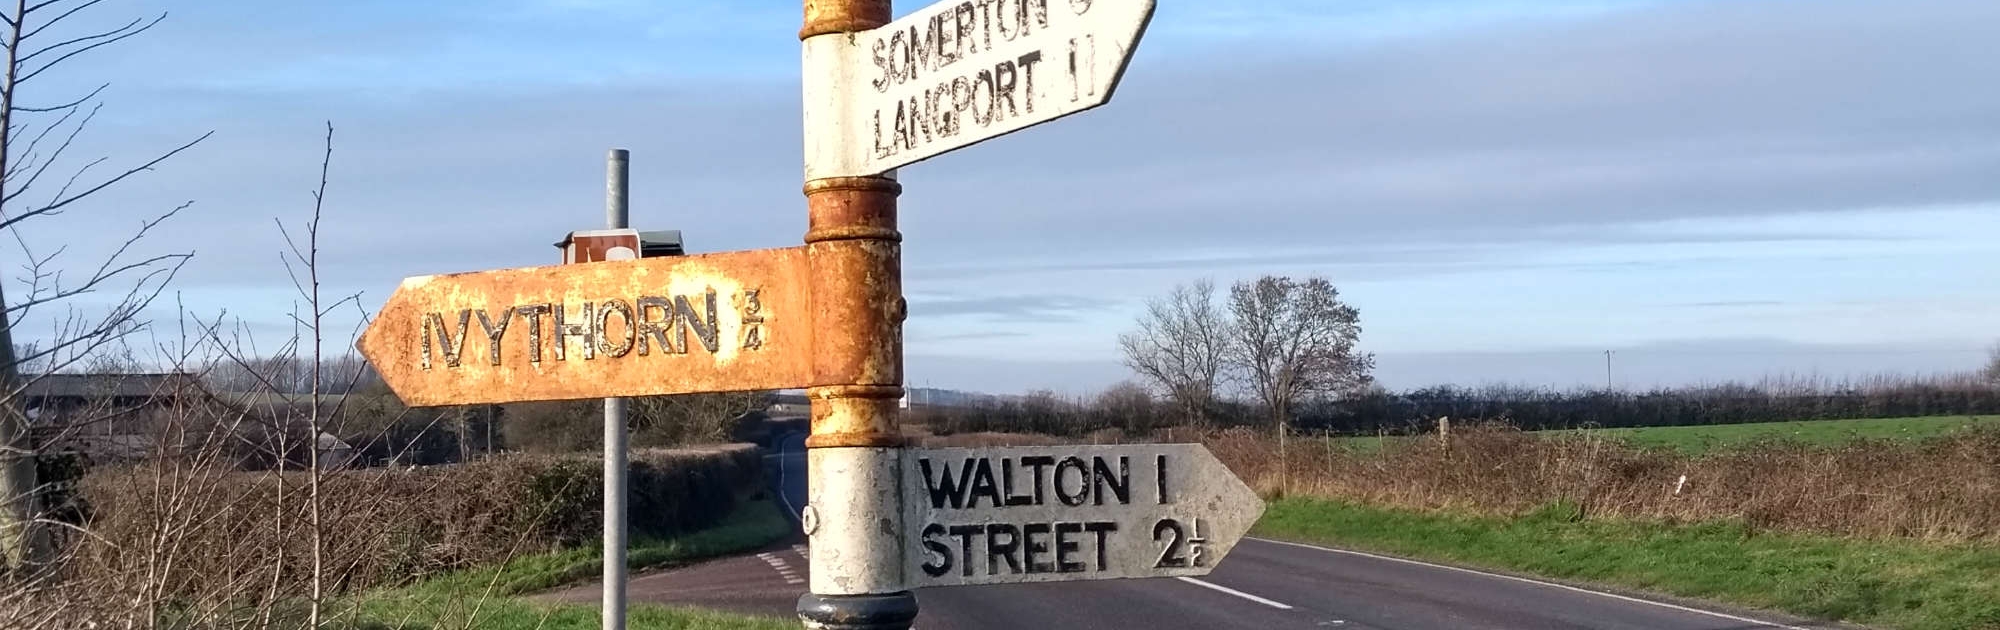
(1506, 190)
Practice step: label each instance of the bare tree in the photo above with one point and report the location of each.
(1128, 406)
(34, 136)
(1181, 347)
(1992, 371)
(690, 418)
(1294, 339)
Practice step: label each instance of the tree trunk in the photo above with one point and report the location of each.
(24, 543)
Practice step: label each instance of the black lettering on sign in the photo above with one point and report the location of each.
(1007, 22)
(1007, 485)
(451, 344)
(1119, 484)
(1033, 550)
(1182, 549)
(1004, 551)
(966, 21)
(1171, 555)
(1103, 529)
(564, 331)
(961, 98)
(1037, 463)
(945, 33)
(981, 84)
(1082, 481)
(942, 489)
(655, 330)
(1082, 67)
(1065, 546)
(883, 151)
(883, 81)
(494, 332)
(753, 320)
(705, 329)
(534, 313)
(916, 54)
(1160, 469)
(603, 324)
(965, 534)
(986, 23)
(983, 485)
(941, 564)
(1027, 63)
(1003, 90)
(1079, 6)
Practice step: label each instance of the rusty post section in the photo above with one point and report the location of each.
(857, 302)
(853, 514)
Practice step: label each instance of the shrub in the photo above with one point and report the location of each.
(189, 531)
(1946, 488)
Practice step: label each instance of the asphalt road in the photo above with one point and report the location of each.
(1261, 585)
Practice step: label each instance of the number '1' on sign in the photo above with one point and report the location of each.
(1046, 514)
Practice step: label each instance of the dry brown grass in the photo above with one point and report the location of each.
(1945, 489)
(174, 540)
(1942, 489)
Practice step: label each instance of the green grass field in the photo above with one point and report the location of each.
(1891, 584)
(1695, 440)
(488, 597)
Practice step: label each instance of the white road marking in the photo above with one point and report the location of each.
(1235, 592)
(789, 508)
(1566, 587)
(783, 568)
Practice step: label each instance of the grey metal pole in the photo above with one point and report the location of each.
(617, 215)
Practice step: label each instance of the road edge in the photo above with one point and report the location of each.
(1722, 610)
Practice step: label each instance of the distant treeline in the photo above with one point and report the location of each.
(1126, 408)
(1729, 404)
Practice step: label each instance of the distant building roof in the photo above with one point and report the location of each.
(72, 385)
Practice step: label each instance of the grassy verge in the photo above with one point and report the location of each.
(1893, 584)
(485, 598)
(1697, 440)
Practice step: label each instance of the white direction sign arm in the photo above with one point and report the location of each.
(959, 72)
(1047, 514)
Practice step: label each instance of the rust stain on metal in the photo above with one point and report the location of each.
(857, 304)
(714, 322)
(843, 16)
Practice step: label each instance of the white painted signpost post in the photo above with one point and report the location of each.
(884, 519)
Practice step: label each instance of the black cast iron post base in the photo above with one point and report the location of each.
(893, 611)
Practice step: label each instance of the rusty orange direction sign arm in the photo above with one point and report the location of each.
(733, 321)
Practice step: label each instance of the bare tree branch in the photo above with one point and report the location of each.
(38, 6)
(32, 156)
(98, 41)
(71, 138)
(101, 186)
(69, 105)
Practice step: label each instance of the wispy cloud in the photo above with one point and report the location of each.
(1013, 308)
(1733, 304)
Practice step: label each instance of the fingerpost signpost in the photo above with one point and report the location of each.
(882, 519)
